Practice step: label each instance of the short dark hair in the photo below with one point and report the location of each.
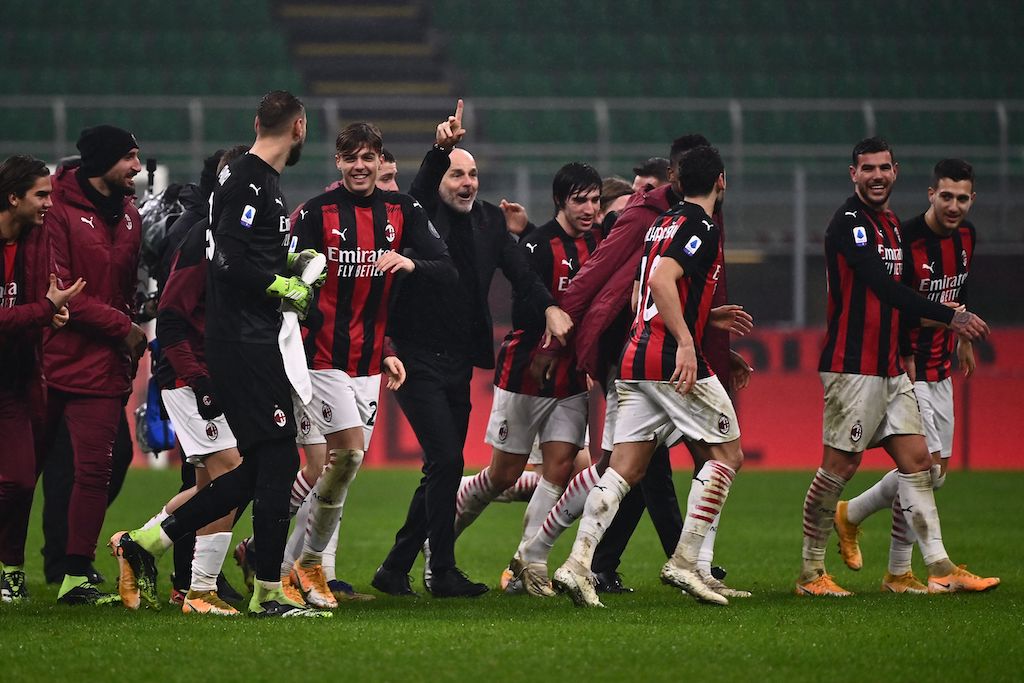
(386, 156)
(230, 155)
(277, 110)
(355, 135)
(18, 174)
(683, 144)
(699, 170)
(612, 188)
(871, 146)
(573, 178)
(655, 166)
(954, 169)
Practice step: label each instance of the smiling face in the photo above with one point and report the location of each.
(873, 178)
(30, 210)
(460, 184)
(950, 201)
(578, 214)
(359, 170)
(121, 176)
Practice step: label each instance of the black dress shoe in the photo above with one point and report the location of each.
(610, 582)
(392, 582)
(454, 584)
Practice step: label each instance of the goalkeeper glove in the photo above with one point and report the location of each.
(297, 263)
(294, 291)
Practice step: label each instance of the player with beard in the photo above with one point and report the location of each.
(95, 232)
(27, 306)
(552, 408)
(938, 247)
(248, 249)
(363, 232)
(441, 334)
(666, 389)
(869, 400)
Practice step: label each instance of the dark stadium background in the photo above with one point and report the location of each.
(783, 88)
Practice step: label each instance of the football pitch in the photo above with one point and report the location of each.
(653, 634)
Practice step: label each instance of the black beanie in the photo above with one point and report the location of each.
(102, 147)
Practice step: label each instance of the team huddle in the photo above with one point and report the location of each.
(276, 330)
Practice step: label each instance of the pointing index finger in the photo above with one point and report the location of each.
(458, 112)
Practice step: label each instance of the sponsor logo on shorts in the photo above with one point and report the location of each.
(724, 424)
(856, 432)
(304, 424)
(503, 431)
(211, 431)
(389, 232)
(279, 418)
(327, 412)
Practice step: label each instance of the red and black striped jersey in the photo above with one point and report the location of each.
(686, 234)
(349, 315)
(181, 314)
(556, 258)
(935, 267)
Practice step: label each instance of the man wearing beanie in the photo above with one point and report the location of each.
(95, 232)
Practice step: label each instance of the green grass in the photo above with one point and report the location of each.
(652, 634)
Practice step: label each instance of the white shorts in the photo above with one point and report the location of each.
(935, 399)
(516, 419)
(339, 402)
(197, 436)
(862, 410)
(655, 411)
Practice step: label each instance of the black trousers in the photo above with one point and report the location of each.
(657, 494)
(58, 478)
(436, 401)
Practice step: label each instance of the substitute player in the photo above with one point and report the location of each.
(362, 230)
(665, 385)
(552, 407)
(869, 400)
(248, 249)
(938, 248)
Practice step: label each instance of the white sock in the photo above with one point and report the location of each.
(598, 512)
(707, 549)
(208, 560)
(472, 498)
(156, 519)
(901, 542)
(293, 548)
(327, 500)
(878, 497)
(708, 493)
(300, 489)
(918, 501)
(521, 490)
(819, 513)
(566, 511)
(543, 499)
(330, 557)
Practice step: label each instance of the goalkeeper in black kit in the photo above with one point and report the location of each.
(247, 250)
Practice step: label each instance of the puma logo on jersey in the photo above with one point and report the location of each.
(708, 224)
(930, 267)
(852, 214)
(88, 220)
(567, 263)
(255, 189)
(302, 214)
(340, 234)
(531, 247)
(279, 202)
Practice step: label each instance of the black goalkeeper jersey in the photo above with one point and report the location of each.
(250, 235)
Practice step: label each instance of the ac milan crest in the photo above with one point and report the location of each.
(327, 412)
(856, 432)
(503, 431)
(211, 431)
(279, 419)
(389, 232)
(724, 424)
(304, 424)
(963, 257)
